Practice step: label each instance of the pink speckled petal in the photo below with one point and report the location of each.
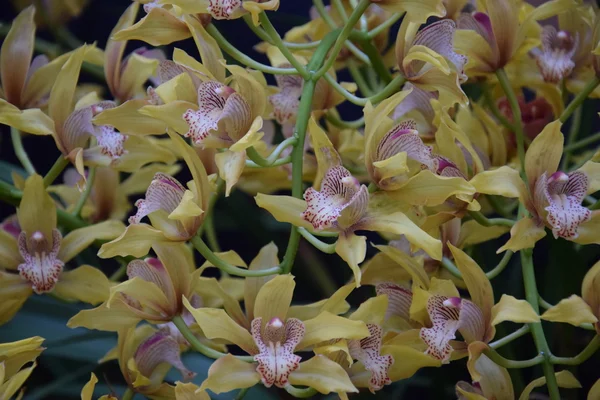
(367, 351)
(41, 267)
(164, 193)
(224, 9)
(404, 138)
(399, 299)
(565, 192)
(157, 349)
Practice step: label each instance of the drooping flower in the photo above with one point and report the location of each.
(40, 253)
(555, 57)
(493, 382)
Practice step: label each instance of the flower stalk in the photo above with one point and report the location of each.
(17, 142)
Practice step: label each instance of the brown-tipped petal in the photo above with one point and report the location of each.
(157, 349)
(339, 190)
(399, 300)
(225, 9)
(564, 192)
(276, 358)
(15, 55)
(164, 193)
(40, 266)
(368, 352)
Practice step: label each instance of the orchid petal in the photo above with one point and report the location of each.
(159, 27)
(274, 298)
(523, 235)
(352, 249)
(324, 375)
(572, 310)
(564, 379)
(136, 241)
(511, 309)
(79, 239)
(327, 326)
(85, 283)
(229, 373)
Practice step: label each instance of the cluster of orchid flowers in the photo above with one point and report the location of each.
(425, 166)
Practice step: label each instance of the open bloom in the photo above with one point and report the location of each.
(39, 254)
(553, 198)
(272, 334)
(554, 59)
(343, 205)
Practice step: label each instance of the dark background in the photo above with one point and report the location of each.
(72, 354)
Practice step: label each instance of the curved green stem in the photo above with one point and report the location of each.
(580, 358)
(241, 394)
(582, 143)
(385, 25)
(211, 233)
(517, 119)
(198, 345)
(390, 89)
(244, 59)
(359, 79)
(573, 133)
(491, 274)
(301, 393)
(328, 248)
(263, 36)
(506, 363)
(495, 111)
(225, 266)
(272, 159)
(276, 163)
(20, 152)
(537, 331)
(60, 164)
(335, 120)
(487, 222)
(337, 46)
(376, 60)
(580, 98)
(341, 10)
(510, 337)
(278, 42)
(128, 395)
(86, 193)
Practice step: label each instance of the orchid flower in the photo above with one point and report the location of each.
(343, 205)
(13, 356)
(175, 212)
(553, 198)
(494, 383)
(39, 254)
(270, 332)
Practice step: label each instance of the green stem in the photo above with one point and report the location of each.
(128, 395)
(86, 193)
(278, 42)
(320, 7)
(241, 394)
(506, 363)
(301, 393)
(510, 337)
(376, 61)
(244, 59)
(60, 164)
(335, 120)
(276, 163)
(328, 248)
(118, 274)
(496, 203)
(225, 266)
(543, 303)
(385, 25)
(341, 10)
(390, 89)
(337, 46)
(582, 143)
(491, 274)
(487, 222)
(573, 132)
(198, 345)
(17, 142)
(272, 159)
(517, 119)
(537, 331)
(211, 233)
(495, 111)
(263, 36)
(580, 98)
(580, 358)
(362, 84)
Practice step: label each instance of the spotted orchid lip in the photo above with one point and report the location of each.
(41, 266)
(368, 352)
(555, 57)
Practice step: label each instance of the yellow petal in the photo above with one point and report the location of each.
(9, 251)
(15, 355)
(135, 74)
(210, 287)
(391, 167)
(383, 268)
(209, 50)
(324, 375)
(216, 324)
(187, 208)
(171, 114)
(128, 120)
(10, 387)
(252, 138)
(152, 299)
(417, 10)
(327, 326)
(494, 380)
(250, 89)
(159, 27)
(407, 361)
(85, 283)
(352, 249)
(325, 153)
(79, 239)
(284, 209)
(590, 287)
(32, 121)
(372, 311)
(102, 318)
(13, 293)
(274, 298)
(88, 390)
(503, 181)
(37, 211)
(564, 379)
(471, 232)
(231, 164)
(511, 309)
(428, 189)
(523, 235)
(228, 373)
(189, 391)
(594, 392)
(544, 153)
(592, 170)
(135, 241)
(572, 310)
(336, 304)
(588, 231)
(266, 258)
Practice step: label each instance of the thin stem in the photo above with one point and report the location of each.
(335, 120)
(573, 132)
(385, 25)
(128, 395)
(273, 157)
(537, 331)
(517, 119)
(276, 163)
(60, 164)
(352, 20)
(86, 193)
(213, 200)
(328, 248)
(320, 7)
(510, 337)
(506, 363)
(543, 303)
(225, 266)
(582, 143)
(263, 36)
(491, 274)
(211, 233)
(390, 88)
(581, 96)
(487, 222)
(244, 59)
(118, 274)
(580, 358)
(198, 345)
(241, 394)
(495, 111)
(362, 84)
(301, 393)
(20, 152)
(376, 61)
(496, 203)
(341, 10)
(278, 42)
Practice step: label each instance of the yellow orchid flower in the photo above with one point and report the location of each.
(577, 310)
(13, 356)
(39, 252)
(427, 58)
(494, 383)
(564, 379)
(175, 212)
(273, 335)
(343, 205)
(553, 198)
